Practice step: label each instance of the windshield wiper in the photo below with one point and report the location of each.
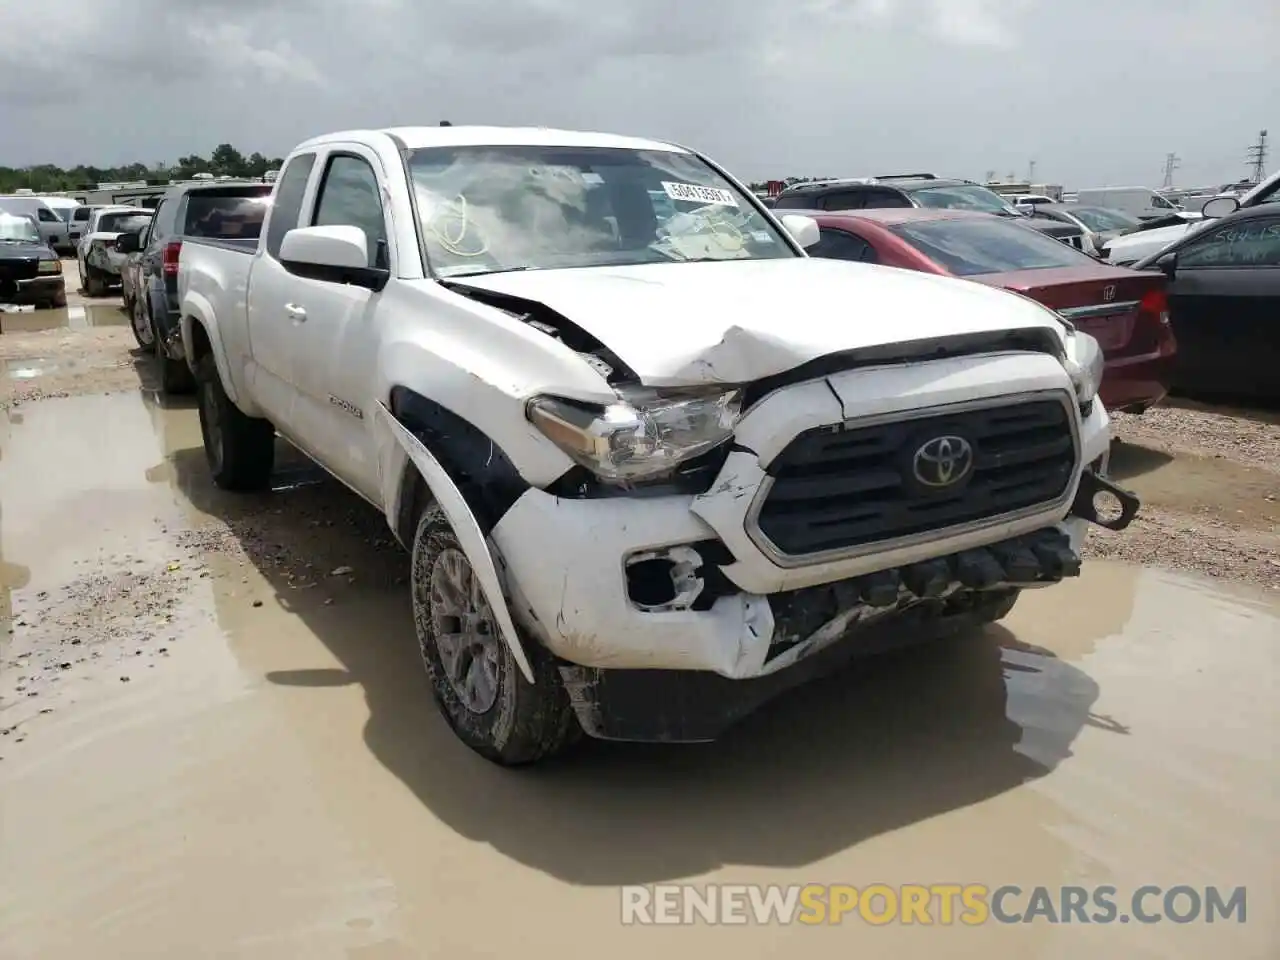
(485, 273)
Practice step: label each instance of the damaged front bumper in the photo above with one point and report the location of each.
(690, 593)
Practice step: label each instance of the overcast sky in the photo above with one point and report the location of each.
(1095, 91)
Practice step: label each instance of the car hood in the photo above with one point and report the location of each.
(26, 251)
(1130, 247)
(741, 320)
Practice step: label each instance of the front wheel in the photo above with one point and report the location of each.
(240, 449)
(477, 684)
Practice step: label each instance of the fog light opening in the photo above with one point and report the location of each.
(1107, 507)
(664, 580)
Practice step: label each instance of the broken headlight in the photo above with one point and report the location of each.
(1085, 365)
(643, 436)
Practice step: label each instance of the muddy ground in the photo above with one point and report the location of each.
(215, 739)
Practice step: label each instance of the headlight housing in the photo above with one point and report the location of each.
(50, 266)
(1085, 365)
(642, 436)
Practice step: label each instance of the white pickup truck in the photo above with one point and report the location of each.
(652, 463)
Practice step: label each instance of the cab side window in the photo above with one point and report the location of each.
(286, 205)
(46, 215)
(349, 196)
(1251, 243)
(840, 245)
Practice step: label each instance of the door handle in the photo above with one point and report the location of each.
(295, 313)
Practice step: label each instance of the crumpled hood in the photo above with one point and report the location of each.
(740, 320)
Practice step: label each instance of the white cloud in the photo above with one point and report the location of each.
(1093, 92)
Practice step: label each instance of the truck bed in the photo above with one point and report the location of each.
(239, 245)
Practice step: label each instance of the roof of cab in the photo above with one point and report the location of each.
(464, 136)
(900, 214)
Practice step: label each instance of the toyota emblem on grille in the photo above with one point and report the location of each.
(943, 461)
(1108, 293)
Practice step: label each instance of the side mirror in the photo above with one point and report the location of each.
(128, 243)
(1220, 207)
(1168, 265)
(803, 230)
(338, 254)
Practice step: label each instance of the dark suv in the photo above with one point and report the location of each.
(917, 190)
(228, 212)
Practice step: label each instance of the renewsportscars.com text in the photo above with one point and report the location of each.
(927, 904)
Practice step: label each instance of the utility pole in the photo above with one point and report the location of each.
(1171, 163)
(1258, 158)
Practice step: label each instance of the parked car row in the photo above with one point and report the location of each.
(1157, 235)
(100, 260)
(1125, 310)
(922, 191)
(652, 463)
(230, 213)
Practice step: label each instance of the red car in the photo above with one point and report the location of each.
(1126, 310)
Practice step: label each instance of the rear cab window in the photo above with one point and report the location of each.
(225, 214)
(969, 247)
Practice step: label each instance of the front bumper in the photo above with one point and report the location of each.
(587, 577)
(43, 289)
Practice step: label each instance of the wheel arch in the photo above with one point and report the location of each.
(428, 453)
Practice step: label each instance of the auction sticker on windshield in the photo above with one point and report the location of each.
(696, 194)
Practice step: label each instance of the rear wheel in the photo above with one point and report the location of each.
(141, 324)
(93, 285)
(478, 686)
(240, 449)
(176, 377)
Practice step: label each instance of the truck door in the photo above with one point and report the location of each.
(274, 329)
(337, 343)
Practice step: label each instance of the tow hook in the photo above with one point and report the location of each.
(1087, 496)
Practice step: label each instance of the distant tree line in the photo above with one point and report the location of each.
(48, 178)
(225, 160)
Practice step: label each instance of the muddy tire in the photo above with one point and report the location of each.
(176, 377)
(93, 285)
(478, 686)
(240, 449)
(143, 331)
(60, 300)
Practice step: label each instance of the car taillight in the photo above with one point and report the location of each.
(172, 250)
(1155, 305)
(1152, 332)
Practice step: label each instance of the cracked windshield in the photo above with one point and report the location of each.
(497, 209)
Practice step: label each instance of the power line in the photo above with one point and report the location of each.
(1258, 157)
(1171, 163)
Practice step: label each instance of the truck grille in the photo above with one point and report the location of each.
(842, 487)
(19, 268)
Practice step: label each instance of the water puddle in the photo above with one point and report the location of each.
(80, 317)
(278, 782)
